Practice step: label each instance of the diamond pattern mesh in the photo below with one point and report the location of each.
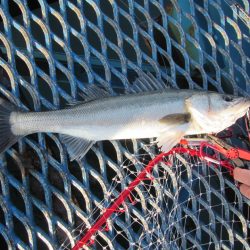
(51, 49)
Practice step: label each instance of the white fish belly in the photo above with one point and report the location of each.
(116, 132)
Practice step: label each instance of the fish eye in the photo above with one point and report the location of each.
(227, 98)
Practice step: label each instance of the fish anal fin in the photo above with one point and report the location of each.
(76, 147)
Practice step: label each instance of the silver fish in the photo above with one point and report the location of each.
(152, 110)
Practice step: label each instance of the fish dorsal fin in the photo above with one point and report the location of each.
(93, 92)
(76, 147)
(90, 93)
(146, 83)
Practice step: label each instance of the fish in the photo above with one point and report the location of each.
(149, 109)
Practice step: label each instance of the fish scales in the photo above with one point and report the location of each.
(121, 117)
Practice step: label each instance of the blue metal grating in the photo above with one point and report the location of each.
(51, 49)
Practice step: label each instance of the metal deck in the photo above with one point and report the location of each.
(50, 50)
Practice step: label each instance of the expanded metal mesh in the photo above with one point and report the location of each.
(51, 49)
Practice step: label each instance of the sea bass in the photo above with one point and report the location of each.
(150, 110)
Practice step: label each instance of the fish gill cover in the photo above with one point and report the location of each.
(50, 50)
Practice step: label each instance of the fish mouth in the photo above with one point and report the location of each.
(246, 102)
(242, 101)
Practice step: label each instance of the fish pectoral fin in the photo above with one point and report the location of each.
(76, 147)
(175, 119)
(168, 140)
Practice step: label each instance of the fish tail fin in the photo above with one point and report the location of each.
(7, 137)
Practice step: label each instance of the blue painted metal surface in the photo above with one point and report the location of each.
(50, 51)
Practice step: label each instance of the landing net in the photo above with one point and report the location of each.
(178, 198)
